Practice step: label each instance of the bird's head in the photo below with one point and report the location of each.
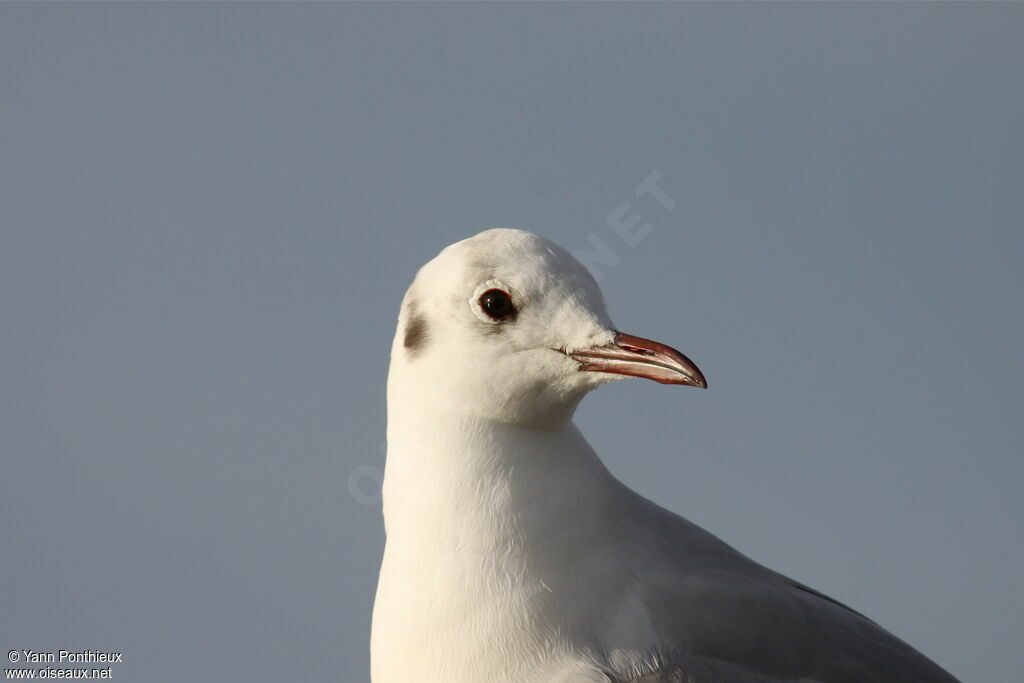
(508, 326)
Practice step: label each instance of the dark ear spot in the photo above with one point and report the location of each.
(415, 333)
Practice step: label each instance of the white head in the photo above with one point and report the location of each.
(508, 326)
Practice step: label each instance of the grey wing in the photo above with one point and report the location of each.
(735, 633)
(720, 617)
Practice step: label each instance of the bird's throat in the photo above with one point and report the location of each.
(470, 483)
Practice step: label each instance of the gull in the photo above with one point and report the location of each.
(514, 555)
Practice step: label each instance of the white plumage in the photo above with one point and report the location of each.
(514, 555)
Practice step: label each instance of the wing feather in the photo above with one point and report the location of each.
(719, 616)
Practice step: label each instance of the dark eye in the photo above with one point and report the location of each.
(497, 304)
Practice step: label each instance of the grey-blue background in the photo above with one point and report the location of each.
(210, 213)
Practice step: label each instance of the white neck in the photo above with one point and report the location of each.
(483, 484)
(498, 537)
(488, 527)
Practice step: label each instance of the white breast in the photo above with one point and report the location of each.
(464, 596)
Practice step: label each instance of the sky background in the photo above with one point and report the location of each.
(209, 214)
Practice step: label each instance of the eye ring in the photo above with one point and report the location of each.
(497, 304)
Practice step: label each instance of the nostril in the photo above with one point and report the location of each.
(637, 349)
